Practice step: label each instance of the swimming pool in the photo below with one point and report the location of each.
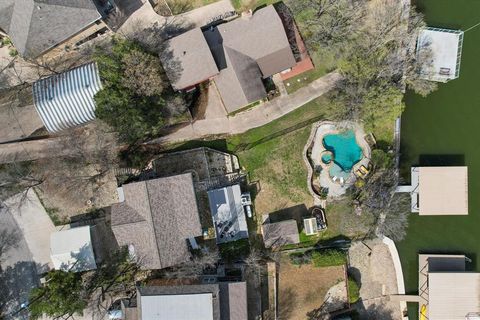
(346, 152)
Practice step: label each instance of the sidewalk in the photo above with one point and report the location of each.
(255, 117)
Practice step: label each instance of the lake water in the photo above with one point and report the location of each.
(444, 129)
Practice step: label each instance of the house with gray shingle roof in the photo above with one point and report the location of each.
(280, 233)
(156, 218)
(219, 301)
(37, 26)
(245, 50)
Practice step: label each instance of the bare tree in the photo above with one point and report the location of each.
(329, 23)
(196, 266)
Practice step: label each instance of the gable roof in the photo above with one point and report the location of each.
(233, 301)
(71, 250)
(67, 99)
(187, 60)
(237, 54)
(38, 25)
(156, 218)
(246, 50)
(179, 302)
(280, 233)
(261, 37)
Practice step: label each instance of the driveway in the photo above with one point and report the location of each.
(18, 271)
(35, 226)
(18, 122)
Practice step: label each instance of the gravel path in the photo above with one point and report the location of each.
(372, 266)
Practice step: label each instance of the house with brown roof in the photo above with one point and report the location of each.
(245, 51)
(156, 219)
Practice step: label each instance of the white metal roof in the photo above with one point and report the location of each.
(443, 190)
(197, 306)
(452, 296)
(228, 214)
(66, 100)
(72, 249)
(446, 47)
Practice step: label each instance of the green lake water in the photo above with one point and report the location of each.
(444, 129)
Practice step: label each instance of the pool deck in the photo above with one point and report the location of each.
(319, 130)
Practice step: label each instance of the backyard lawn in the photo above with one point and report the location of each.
(303, 291)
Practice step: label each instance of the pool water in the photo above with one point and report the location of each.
(346, 152)
(327, 158)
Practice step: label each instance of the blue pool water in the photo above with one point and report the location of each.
(346, 152)
(327, 158)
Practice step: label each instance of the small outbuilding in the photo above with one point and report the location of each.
(227, 213)
(66, 100)
(72, 250)
(441, 50)
(281, 233)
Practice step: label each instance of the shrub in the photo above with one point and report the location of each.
(353, 290)
(299, 259)
(329, 258)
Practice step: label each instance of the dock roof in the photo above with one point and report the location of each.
(443, 190)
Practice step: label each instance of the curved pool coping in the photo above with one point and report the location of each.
(334, 128)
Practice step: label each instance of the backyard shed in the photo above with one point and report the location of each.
(72, 250)
(228, 214)
(281, 233)
(66, 100)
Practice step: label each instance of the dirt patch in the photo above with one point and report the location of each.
(372, 266)
(304, 289)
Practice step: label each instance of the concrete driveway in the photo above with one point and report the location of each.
(18, 270)
(18, 122)
(35, 226)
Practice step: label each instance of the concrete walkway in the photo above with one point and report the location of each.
(255, 117)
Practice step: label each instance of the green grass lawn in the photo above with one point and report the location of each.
(324, 62)
(272, 156)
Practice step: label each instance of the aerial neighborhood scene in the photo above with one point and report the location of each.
(239, 159)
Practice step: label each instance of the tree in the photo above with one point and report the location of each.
(328, 23)
(66, 293)
(200, 261)
(62, 295)
(132, 100)
(143, 83)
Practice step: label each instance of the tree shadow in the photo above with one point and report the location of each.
(16, 282)
(287, 301)
(296, 213)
